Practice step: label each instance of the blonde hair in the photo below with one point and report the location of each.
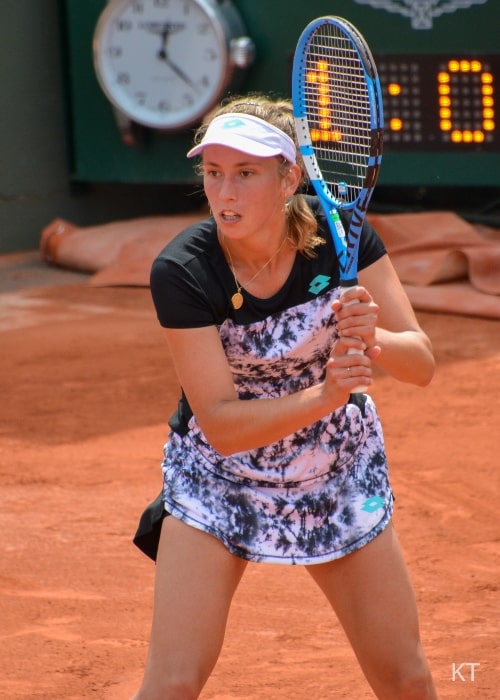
(302, 224)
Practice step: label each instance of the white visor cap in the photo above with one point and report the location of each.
(247, 134)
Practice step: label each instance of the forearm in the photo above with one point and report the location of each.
(235, 425)
(406, 355)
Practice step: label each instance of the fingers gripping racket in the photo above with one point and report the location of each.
(338, 112)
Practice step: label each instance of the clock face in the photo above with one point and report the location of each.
(163, 63)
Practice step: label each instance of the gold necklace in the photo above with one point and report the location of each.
(237, 298)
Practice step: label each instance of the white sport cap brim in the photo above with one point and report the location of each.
(247, 134)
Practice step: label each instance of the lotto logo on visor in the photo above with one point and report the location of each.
(232, 124)
(247, 134)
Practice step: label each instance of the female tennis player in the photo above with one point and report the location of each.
(270, 457)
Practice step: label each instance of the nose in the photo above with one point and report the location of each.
(227, 188)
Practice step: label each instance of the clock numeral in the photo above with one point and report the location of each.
(163, 106)
(211, 54)
(203, 28)
(124, 25)
(188, 98)
(161, 3)
(138, 7)
(123, 78)
(114, 51)
(140, 98)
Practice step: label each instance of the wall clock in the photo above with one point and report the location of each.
(164, 64)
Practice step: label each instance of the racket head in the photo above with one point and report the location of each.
(338, 114)
(338, 108)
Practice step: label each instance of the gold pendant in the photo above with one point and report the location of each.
(237, 300)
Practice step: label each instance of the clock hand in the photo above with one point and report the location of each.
(162, 54)
(165, 31)
(178, 71)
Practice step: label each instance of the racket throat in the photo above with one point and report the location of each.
(348, 284)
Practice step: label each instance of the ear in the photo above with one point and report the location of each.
(291, 180)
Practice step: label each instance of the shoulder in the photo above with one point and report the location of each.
(194, 254)
(187, 279)
(196, 242)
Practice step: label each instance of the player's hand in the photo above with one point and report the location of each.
(348, 367)
(356, 314)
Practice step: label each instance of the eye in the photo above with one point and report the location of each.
(211, 172)
(246, 173)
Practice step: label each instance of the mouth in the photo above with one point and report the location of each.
(229, 216)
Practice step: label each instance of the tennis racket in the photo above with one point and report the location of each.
(337, 104)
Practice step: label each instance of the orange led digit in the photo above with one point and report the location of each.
(436, 102)
(319, 79)
(452, 114)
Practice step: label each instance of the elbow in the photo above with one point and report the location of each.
(222, 439)
(222, 446)
(218, 439)
(217, 427)
(426, 365)
(426, 373)
(424, 381)
(227, 442)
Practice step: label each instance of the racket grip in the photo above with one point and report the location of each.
(361, 389)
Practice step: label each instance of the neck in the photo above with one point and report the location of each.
(268, 276)
(249, 256)
(259, 267)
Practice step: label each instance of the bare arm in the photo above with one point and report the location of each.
(390, 335)
(232, 425)
(403, 349)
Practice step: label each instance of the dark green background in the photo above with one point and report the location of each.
(60, 154)
(98, 154)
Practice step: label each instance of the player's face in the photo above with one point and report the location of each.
(246, 193)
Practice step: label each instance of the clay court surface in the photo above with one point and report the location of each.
(86, 388)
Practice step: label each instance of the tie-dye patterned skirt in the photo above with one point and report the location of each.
(315, 496)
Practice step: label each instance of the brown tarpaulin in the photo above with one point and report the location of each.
(445, 263)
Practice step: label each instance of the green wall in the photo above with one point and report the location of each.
(99, 155)
(35, 185)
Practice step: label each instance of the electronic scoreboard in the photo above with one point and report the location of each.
(439, 67)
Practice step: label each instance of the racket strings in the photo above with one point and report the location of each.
(338, 111)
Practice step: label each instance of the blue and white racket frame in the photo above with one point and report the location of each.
(346, 245)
